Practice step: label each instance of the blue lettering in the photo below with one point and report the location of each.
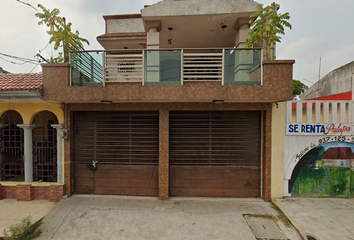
(291, 129)
(296, 130)
(308, 128)
(303, 128)
(323, 129)
(318, 128)
(312, 128)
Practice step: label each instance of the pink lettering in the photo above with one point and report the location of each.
(337, 130)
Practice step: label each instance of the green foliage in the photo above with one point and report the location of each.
(310, 158)
(24, 230)
(298, 88)
(309, 179)
(61, 33)
(267, 27)
(351, 190)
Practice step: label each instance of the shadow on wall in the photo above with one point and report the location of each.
(325, 171)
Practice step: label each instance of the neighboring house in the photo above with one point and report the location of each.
(30, 155)
(336, 85)
(174, 106)
(338, 157)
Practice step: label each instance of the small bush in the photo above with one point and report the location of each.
(24, 230)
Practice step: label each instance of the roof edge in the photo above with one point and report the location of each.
(122, 16)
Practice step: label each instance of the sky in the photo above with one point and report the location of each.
(322, 31)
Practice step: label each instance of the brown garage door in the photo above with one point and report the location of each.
(124, 146)
(215, 153)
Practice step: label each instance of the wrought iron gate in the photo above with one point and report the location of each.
(11, 147)
(44, 147)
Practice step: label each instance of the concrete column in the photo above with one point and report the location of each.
(58, 127)
(241, 36)
(1, 126)
(28, 154)
(164, 154)
(153, 38)
(242, 28)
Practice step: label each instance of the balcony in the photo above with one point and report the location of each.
(169, 75)
(165, 67)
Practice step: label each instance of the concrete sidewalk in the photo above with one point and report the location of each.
(12, 211)
(114, 217)
(321, 218)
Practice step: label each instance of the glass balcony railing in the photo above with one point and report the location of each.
(162, 67)
(86, 68)
(242, 67)
(167, 66)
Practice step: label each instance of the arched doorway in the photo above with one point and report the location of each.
(11, 147)
(44, 147)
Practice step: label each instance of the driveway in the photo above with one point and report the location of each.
(114, 217)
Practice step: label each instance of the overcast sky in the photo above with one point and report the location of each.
(321, 29)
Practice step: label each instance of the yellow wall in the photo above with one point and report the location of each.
(29, 110)
(277, 166)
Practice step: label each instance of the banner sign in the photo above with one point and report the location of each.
(331, 129)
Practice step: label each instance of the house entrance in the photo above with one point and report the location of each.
(116, 153)
(215, 153)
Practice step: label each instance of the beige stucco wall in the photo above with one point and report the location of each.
(125, 25)
(277, 152)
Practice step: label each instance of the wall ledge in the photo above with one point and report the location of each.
(265, 62)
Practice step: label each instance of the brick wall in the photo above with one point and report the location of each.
(27, 192)
(24, 192)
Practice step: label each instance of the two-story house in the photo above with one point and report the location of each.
(173, 105)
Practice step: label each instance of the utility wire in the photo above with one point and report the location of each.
(19, 58)
(19, 63)
(28, 5)
(34, 68)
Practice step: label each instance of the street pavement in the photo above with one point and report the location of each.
(321, 218)
(12, 211)
(117, 217)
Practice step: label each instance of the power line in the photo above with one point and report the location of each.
(18, 63)
(28, 5)
(34, 68)
(25, 60)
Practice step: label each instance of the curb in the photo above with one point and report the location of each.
(298, 228)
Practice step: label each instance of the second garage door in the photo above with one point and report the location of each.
(215, 153)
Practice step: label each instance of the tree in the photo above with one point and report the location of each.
(298, 88)
(264, 31)
(61, 33)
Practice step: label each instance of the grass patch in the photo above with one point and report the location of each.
(266, 216)
(282, 217)
(24, 230)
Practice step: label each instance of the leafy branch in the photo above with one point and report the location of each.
(267, 27)
(60, 32)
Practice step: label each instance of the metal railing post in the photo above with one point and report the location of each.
(104, 68)
(143, 69)
(223, 67)
(182, 66)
